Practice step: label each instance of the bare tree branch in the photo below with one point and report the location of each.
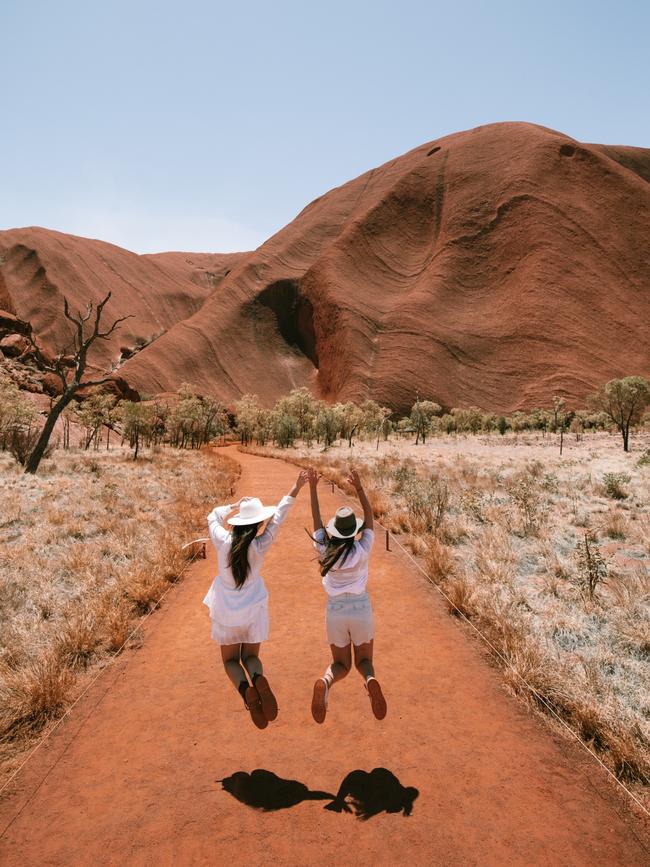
(104, 334)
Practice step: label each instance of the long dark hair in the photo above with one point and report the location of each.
(242, 536)
(335, 548)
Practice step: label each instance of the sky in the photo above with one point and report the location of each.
(208, 125)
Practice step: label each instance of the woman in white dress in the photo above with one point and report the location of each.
(350, 623)
(238, 598)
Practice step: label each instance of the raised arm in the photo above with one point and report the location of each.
(265, 539)
(368, 517)
(315, 507)
(216, 522)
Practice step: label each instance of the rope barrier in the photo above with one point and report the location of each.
(508, 664)
(69, 710)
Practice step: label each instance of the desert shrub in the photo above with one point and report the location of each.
(439, 560)
(460, 595)
(526, 495)
(32, 695)
(77, 642)
(615, 525)
(404, 476)
(476, 504)
(644, 460)
(427, 501)
(613, 484)
(21, 442)
(592, 568)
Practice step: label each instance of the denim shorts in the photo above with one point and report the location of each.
(349, 619)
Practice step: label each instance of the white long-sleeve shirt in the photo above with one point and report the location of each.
(228, 604)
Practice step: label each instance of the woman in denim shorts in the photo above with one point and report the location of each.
(344, 568)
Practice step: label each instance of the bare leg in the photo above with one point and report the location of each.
(336, 670)
(251, 659)
(340, 665)
(363, 659)
(363, 663)
(231, 654)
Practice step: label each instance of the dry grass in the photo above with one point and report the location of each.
(87, 547)
(506, 554)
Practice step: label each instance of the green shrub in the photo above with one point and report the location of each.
(613, 484)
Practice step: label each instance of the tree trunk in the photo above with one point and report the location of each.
(39, 449)
(626, 439)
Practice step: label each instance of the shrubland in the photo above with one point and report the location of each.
(87, 547)
(547, 555)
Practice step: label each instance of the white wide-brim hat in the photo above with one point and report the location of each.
(345, 524)
(251, 511)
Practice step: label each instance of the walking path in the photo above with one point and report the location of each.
(131, 777)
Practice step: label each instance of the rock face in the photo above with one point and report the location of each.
(493, 267)
(38, 267)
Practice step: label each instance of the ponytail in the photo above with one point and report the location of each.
(242, 536)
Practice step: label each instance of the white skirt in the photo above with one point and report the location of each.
(254, 631)
(238, 616)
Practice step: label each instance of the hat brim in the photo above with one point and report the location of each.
(262, 515)
(331, 529)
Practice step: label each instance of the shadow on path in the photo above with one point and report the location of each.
(266, 791)
(372, 793)
(365, 793)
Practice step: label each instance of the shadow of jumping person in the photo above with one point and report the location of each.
(264, 790)
(372, 793)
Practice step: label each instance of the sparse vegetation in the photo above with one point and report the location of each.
(86, 547)
(614, 485)
(530, 548)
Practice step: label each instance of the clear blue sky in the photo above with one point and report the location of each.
(207, 125)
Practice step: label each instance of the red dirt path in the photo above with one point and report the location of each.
(130, 777)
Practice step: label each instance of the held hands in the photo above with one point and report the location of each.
(354, 480)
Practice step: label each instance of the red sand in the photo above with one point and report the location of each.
(131, 776)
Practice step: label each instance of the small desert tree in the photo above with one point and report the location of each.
(96, 410)
(16, 412)
(138, 421)
(247, 409)
(73, 371)
(623, 401)
(351, 418)
(301, 405)
(327, 424)
(375, 419)
(422, 415)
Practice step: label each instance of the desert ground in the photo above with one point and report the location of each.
(499, 524)
(141, 771)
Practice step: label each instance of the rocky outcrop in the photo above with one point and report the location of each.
(494, 267)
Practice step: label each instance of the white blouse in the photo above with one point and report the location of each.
(351, 576)
(229, 605)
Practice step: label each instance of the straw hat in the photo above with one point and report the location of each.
(251, 511)
(345, 524)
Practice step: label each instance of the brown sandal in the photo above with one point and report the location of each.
(319, 700)
(376, 696)
(269, 703)
(254, 707)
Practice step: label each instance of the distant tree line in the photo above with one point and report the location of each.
(190, 420)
